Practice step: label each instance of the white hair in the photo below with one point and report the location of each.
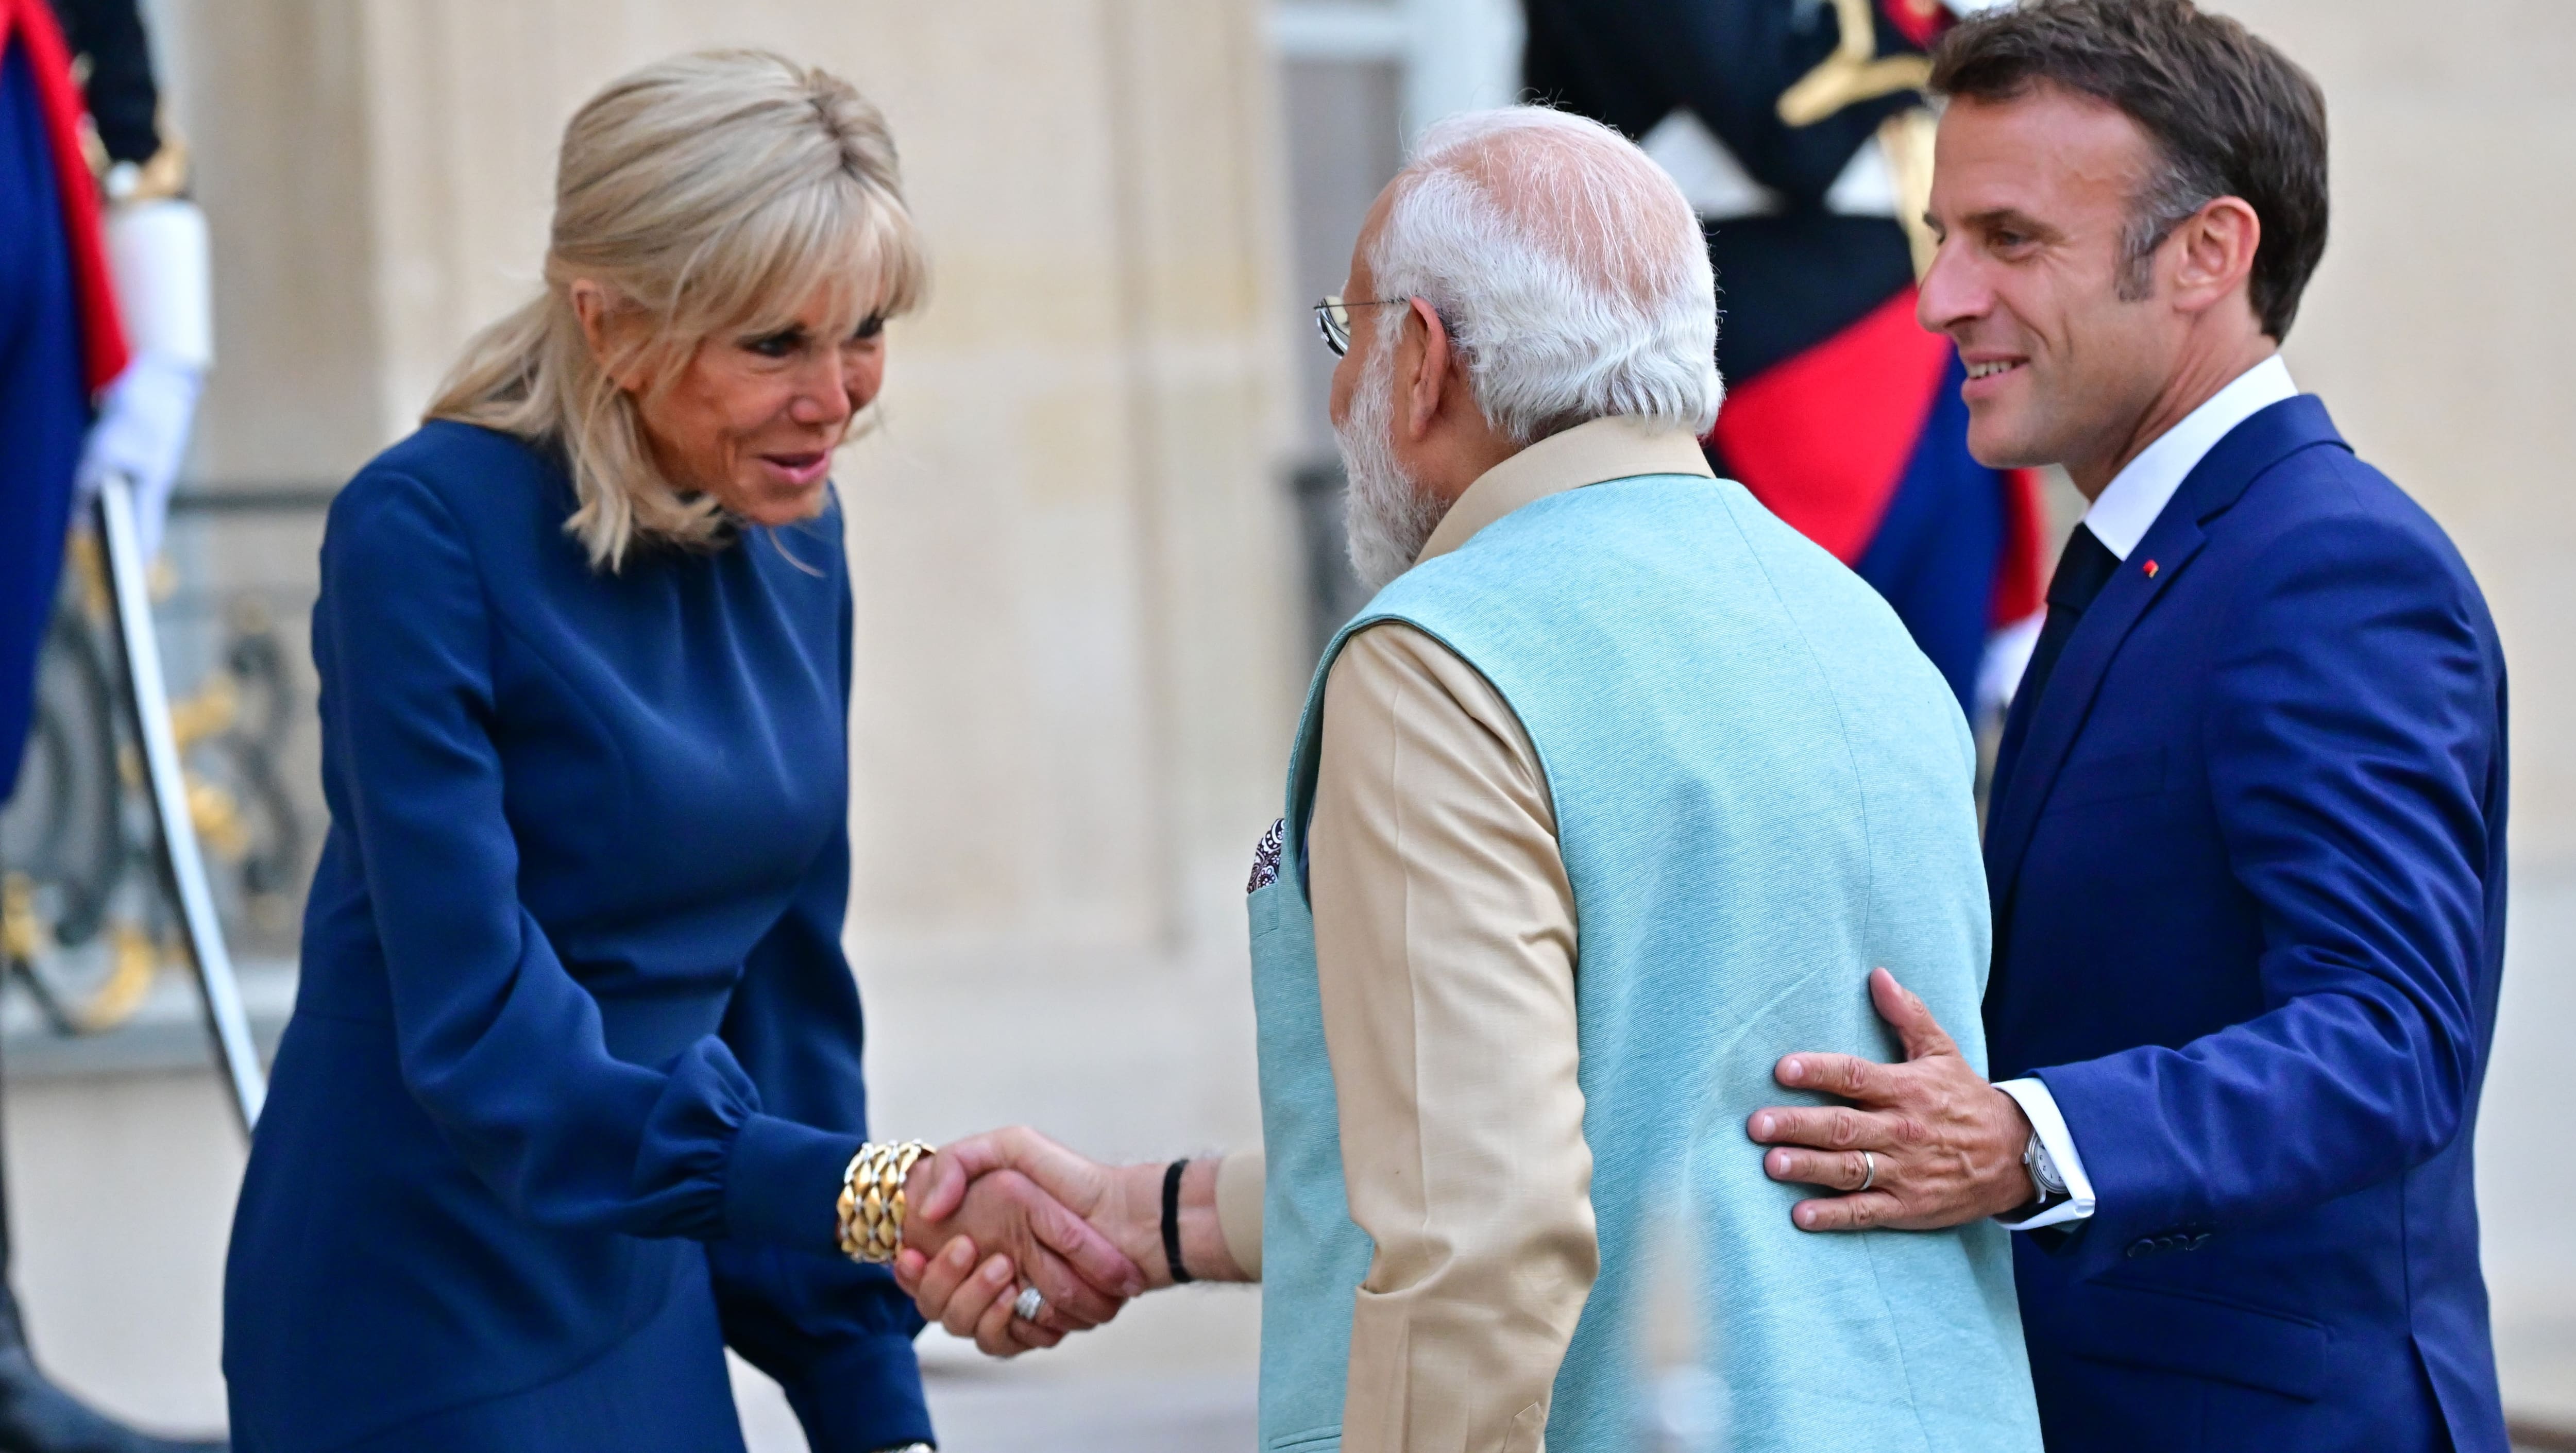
(1387, 517)
(1570, 272)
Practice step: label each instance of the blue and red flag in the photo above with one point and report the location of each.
(1842, 415)
(30, 27)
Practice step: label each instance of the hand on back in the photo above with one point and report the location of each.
(1923, 1144)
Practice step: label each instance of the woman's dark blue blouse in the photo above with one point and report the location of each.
(574, 1066)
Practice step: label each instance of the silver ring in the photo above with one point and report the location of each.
(1869, 1163)
(1029, 1305)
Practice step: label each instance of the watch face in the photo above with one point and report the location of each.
(2043, 1168)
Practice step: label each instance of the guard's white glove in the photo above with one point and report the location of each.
(142, 433)
(157, 254)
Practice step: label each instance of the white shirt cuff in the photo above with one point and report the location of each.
(2035, 1101)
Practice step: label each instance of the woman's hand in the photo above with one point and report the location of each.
(972, 1295)
(1083, 1276)
(1122, 1203)
(972, 1300)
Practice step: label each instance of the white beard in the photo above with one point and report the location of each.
(1386, 517)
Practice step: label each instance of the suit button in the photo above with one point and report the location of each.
(2196, 1242)
(2143, 1246)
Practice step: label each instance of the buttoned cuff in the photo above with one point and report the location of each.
(864, 1395)
(783, 1184)
(2041, 1106)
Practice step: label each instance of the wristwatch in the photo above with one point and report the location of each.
(2043, 1172)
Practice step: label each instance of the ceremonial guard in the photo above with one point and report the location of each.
(1797, 128)
(104, 340)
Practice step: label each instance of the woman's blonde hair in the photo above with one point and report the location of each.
(707, 194)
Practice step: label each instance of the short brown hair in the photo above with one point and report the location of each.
(2229, 114)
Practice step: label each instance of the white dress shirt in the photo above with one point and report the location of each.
(2136, 495)
(2120, 518)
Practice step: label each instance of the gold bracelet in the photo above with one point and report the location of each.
(872, 1203)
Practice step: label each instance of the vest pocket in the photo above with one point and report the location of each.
(1307, 1441)
(1265, 908)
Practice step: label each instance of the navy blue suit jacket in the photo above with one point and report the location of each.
(575, 1060)
(2248, 863)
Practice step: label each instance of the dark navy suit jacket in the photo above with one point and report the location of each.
(2247, 854)
(574, 1065)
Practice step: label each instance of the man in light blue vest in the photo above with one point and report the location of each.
(1610, 797)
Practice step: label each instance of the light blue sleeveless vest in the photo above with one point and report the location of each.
(1762, 790)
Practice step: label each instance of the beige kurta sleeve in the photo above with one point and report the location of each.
(1240, 1180)
(1445, 948)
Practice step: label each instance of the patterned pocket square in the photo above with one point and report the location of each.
(1265, 857)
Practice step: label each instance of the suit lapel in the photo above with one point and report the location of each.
(2057, 718)
(2055, 721)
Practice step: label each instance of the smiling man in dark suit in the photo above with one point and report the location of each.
(2247, 844)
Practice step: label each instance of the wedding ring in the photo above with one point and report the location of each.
(1029, 1305)
(1869, 1163)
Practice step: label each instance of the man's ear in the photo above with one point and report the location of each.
(2213, 252)
(1425, 348)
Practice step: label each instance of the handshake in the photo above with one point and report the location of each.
(1014, 1241)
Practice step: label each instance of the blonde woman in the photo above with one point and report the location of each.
(571, 1096)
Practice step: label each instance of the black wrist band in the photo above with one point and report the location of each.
(1172, 1220)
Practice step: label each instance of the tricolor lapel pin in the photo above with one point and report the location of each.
(2151, 570)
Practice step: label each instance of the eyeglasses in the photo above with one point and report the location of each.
(1333, 319)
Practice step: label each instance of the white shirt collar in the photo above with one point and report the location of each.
(2130, 504)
